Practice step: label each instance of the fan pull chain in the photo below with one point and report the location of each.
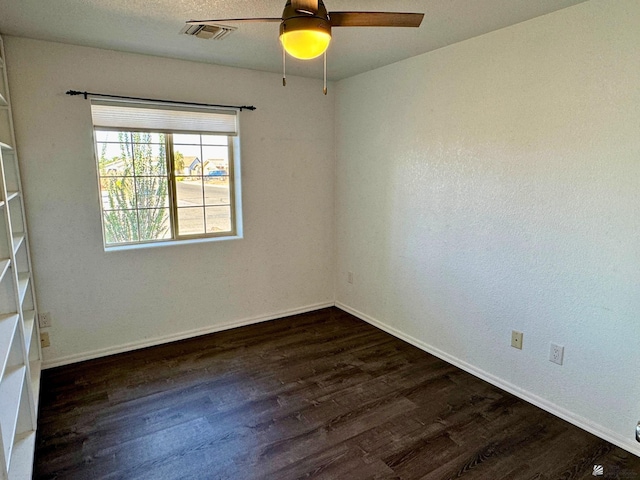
(284, 68)
(324, 90)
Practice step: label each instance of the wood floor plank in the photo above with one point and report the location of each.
(319, 395)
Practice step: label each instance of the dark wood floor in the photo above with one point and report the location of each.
(319, 395)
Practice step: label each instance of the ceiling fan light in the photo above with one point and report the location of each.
(305, 44)
(305, 37)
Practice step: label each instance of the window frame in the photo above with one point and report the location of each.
(235, 218)
(173, 204)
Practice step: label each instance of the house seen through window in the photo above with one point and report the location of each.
(164, 173)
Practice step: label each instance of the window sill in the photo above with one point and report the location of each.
(169, 243)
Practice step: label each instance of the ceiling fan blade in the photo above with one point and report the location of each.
(305, 5)
(232, 20)
(375, 19)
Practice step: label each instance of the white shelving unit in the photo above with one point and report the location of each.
(19, 334)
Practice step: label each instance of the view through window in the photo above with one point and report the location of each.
(161, 186)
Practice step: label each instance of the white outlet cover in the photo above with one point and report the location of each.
(44, 320)
(556, 354)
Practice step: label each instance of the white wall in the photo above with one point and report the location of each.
(102, 302)
(495, 185)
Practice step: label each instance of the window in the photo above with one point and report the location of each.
(165, 173)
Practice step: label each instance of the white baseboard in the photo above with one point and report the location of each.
(150, 342)
(577, 420)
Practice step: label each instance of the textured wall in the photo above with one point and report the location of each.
(495, 185)
(101, 302)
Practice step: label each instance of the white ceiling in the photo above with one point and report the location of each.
(152, 27)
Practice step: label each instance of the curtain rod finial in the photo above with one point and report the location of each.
(76, 92)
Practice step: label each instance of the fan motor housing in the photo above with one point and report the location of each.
(305, 23)
(290, 12)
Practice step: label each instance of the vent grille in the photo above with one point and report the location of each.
(206, 32)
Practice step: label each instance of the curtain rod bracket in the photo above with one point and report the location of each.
(104, 95)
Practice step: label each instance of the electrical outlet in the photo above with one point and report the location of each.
(556, 353)
(350, 277)
(44, 340)
(44, 320)
(516, 339)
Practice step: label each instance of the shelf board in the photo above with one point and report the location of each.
(29, 323)
(7, 331)
(10, 196)
(35, 368)
(23, 284)
(10, 392)
(4, 266)
(18, 238)
(4, 146)
(22, 456)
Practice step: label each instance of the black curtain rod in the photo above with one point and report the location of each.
(103, 95)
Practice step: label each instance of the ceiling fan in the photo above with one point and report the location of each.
(305, 27)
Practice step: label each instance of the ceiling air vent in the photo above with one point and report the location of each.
(217, 32)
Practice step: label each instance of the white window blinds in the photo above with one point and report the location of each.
(124, 115)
